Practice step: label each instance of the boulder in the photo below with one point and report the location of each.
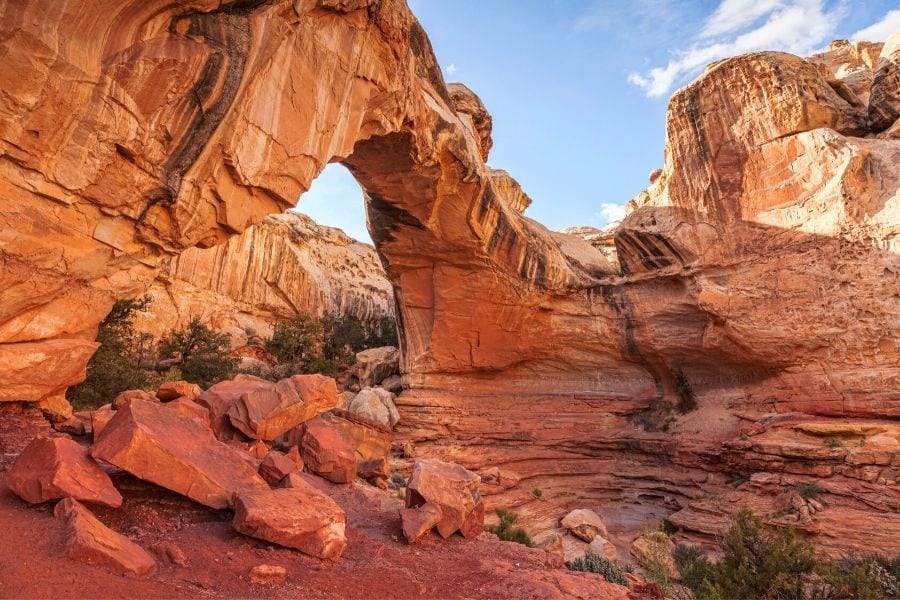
(376, 364)
(603, 547)
(420, 520)
(393, 384)
(655, 548)
(585, 524)
(100, 418)
(177, 389)
(90, 541)
(128, 395)
(298, 517)
(267, 575)
(344, 399)
(54, 468)
(328, 451)
(175, 451)
(268, 412)
(219, 398)
(276, 466)
(375, 404)
(884, 102)
(71, 426)
(190, 408)
(294, 455)
(371, 443)
(473, 525)
(447, 485)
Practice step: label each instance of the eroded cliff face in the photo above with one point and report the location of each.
(284, 266)
(757, 277)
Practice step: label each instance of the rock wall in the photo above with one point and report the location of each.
(753, 314)
(286, 265)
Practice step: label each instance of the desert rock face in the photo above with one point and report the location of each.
(283, 266)
(757, 276)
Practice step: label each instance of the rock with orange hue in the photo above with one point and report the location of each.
(54, 468)
(189, 408)
(269, 411)
(219, 398)
(293, 454)
(170, 552)
(374, 365)
(100, 417)
(655, 549)
(128, 395)
(238, 286)
(473, 525)
(328, 451)
(420, 520)
(449, 486)
(884, 102)
(276, 466)
(298, 517)
(585, 524)
(371, 443)
(178, 389)
(177, 452)
(267, 575)
(88, 540)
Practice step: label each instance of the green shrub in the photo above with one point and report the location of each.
(759, 564)
(832, 442)
(116, 366)
(203, 353)
(694, 566)
(809, 490)
(867, 578)
(593, 563)
(507, 531)
(668, 527)
(537, 493)
(295, 340)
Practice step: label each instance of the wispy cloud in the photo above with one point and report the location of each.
(880, 31)
(451, 69)
(741, 26)
(611, 212)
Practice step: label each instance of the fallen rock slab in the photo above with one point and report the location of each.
(99, 419)
(298, 517)
(177, 452)
(448, 485)
(371, 442)
(54, 468)
(190, 408)
(92, 542)
(276, 466)
(375, 404)
(328, 451)
(585, 524)
(128, 395)
(418, 521)
(268, 412)
(376, 364)
(220, 397)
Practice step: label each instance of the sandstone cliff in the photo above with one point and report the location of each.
(757, 277)
(284, 266)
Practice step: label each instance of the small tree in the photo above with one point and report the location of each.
(295, 342)
(594, 563)
(203, 353)
(507, 530)
(116, 366)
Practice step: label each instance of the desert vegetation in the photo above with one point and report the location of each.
(130, 359)
(507, 530)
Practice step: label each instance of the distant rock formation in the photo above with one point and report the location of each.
(284, 266)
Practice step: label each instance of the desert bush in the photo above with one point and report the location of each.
(116, 366)
(295, 341)
(594, 563)
(537, 493)
(507, 530)
(693, 565)
(668, 527)
(832, 442)
(872, 577)
(203, 353)
(759, 564)
(809, 490)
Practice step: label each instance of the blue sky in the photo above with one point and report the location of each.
(578, 88)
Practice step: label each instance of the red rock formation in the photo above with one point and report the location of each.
(283, 266)
(757, 275)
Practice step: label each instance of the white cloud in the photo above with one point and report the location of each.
(451, 69)
(795, 26)
(610, 212)
(880, 31)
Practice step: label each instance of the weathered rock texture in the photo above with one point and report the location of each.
(758, 274)
(284, 266)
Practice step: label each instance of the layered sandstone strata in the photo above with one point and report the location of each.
(757, 275)
(284, 266)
